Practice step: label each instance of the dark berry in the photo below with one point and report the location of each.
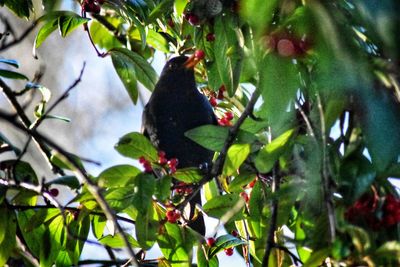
(142, 160)
(161, 158)
(286, 48)
(193, 19)
(245, 196)
(100, 2)
(171, 23)
(234, 233)
(173, 215)
(53, 192)
(199, 54)
(229, 115)
(213, 101)
(210, 241)
(228, 251)
(221, 91)
(210, 37)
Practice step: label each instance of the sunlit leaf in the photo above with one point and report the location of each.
(118, 176)
(236, 155)
(135, 145)
(209, 136)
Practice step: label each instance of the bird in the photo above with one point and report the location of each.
(175, 107)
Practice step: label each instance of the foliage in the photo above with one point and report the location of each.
(311, 155)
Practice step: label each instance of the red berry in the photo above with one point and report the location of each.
(173, 162)
(172, 169)
(252, 183)
(199, 54)
(161, 158)
(245, 196)
(180, 188)
(286, 48)
(171, 23)
(213, 101)
(142, 160)
(234, 233)
(147, 167)
(173, 215)
(161, 154)
(193, 19)
(210, 242)
(221, 91)
(210, 37)
(228, 251)
(53, 192)
(229, 115)
(224, 122)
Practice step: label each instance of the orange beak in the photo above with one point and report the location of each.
(192, 61)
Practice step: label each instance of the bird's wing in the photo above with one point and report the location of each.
(148, 126)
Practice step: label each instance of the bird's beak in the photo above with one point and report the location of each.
(191, 62)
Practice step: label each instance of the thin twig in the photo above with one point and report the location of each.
(295, 259)
(27, 207)
(59, 100)
(19, 39)
(43, 148)
(219, 163)
(274, 217)
(305, 118)
(80, 172)
(325, 175)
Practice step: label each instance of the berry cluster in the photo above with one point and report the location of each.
(219, 96)
(173, 215)
(366, 210)
(146, 165)
(192, 19)
(183, 189)
(226, 120)
(287, 45)
(172, 163)
(92, 6)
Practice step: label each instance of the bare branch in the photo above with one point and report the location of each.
(21, 38)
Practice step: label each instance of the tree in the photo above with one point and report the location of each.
(307, 95)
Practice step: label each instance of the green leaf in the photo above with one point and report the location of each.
(259, 13)
(120, 198)
(12, 75)
(277, 93)
(8, 240)
(44, 32)
(102, 36)
(117, 241)
(118, 176)
(135, 145)
(131, 66)
(209, 136)
(144, 190)
(61, 162)
(227, 51)
(68, 180)
(176, 244)
(21, 8)
(163, 188)
(180, 7)
(203, 261)
(22, 171)
(236, 155)
(69, 23)
(383, 113)
(267, 156)
(98, 225)
(188, 175)
(162, 8)
(389, 250)
(79, 228)
(32, 236)
(146, 228)
(241, 180)
(10, 62)
(221, 205)
(224, 242)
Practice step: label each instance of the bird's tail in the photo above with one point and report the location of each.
(196, 223)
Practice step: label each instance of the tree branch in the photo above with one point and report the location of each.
(43, 148)
(219, 163)
(82, 176)
(21, 38)
(274, 217)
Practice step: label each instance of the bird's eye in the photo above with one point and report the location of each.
(171, 65)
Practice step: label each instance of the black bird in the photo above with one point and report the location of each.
(175, 107)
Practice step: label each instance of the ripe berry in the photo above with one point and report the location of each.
(210, 241)
(53, 192)
(286, 48)
(192, 19)
(142, 160)
(234, 233)
(161, 158)
(229, 115)
(171, 23)
(180, 188)
(245, 196)
(224, 122)
(173, 215)
(199, 54)
(213, 101)
(228, 251)
(252, 183)
(210, 37)
(221, 91)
